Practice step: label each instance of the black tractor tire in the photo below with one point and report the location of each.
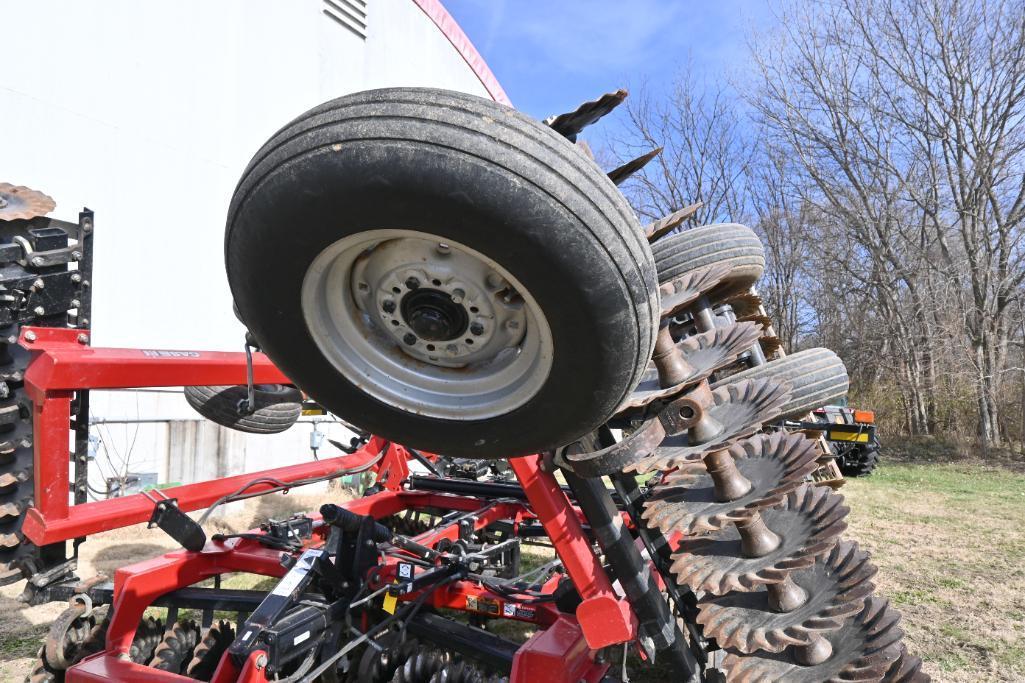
(479, 174)
(860, 460)
(817, 377)
(730, 244)
(277, 406)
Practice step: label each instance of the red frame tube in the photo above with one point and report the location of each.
(61, 365)
(605, 619)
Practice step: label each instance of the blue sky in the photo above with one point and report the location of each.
(552, 55)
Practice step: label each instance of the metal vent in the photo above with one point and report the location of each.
(352, 14)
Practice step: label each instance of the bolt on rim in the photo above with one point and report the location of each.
(427, 325)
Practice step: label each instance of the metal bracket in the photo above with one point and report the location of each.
(247, 406)
(55, 257)
(175, 523)
(686, 412)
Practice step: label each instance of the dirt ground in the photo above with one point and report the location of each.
(949, 540)
(23, 628)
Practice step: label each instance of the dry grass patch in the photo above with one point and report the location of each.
(949, 540)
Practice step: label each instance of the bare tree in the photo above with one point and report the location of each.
(906, 120)
(777, 212)
(706, 151)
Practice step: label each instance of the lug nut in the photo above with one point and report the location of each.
(410, 338)
(412, 283)
(476, 329)
(388, 306)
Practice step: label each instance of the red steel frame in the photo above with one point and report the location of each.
(63, 363)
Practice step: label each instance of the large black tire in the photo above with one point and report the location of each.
(481, 175)
(860, 460)
(817, 377)
(277, 406)
(729, 244)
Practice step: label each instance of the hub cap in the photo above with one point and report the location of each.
(427, 325)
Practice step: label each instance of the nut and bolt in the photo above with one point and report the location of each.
(388, 306)
(261, 661)
(38, 283)
(458, 295)
(412, 283)
(76, 255)
(76, 278)
(443, 248)
(75, 303)
(30, 336)
(83, 338)
(476, 329)
(37, 261)
(39, 310)
(410, 338)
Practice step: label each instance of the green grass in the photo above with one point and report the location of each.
(21, 645)
(949, 540)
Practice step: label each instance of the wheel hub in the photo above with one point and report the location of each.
(433, 315)
(430, 326)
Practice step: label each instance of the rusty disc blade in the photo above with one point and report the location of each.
(742, 409)
(620, 174)
(18, 202)
(775, 464)
(664, 225)
(907, 669)
(684, 290)
(862, 651)
(572, 123)
(763, 320)
(808, 523)
(705, 353)
(745, 304)
(770, 345)
(837, 586)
